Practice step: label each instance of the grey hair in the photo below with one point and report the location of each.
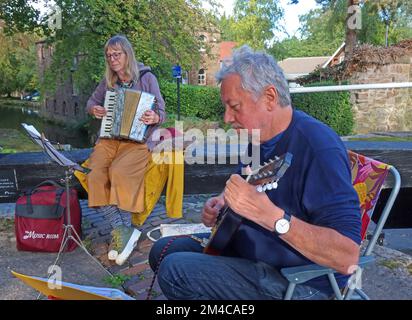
(257, 70)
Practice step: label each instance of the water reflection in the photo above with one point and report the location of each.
(12, 117)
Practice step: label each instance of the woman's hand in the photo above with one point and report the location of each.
(150, 117)
(98, 112)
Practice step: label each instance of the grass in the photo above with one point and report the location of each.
(12, 141)
(391, 264)
(6, 225)
(116, 280)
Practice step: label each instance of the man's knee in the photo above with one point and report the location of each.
(155, 252)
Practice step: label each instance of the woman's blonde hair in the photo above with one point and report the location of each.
(132, 70)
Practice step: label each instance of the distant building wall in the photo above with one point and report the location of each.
(385, 109)
(66, 104)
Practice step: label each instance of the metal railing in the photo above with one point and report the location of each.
(351, 87)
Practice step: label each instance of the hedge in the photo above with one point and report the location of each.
(332, 108)
(195, 101)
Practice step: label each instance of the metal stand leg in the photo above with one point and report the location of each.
(70, 233)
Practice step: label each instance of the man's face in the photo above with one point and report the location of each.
(242, 110)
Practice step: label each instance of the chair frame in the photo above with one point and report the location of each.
(301, 274)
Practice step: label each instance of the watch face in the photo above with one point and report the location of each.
(282, 226)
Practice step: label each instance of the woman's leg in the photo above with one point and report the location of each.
(127, 176)
(98, 180)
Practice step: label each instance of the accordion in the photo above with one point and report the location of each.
(124, 108)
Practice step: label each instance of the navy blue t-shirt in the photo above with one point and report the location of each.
(316, 188)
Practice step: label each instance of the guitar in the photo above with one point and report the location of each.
(265, 178)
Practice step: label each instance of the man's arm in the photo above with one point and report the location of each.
(322, 245)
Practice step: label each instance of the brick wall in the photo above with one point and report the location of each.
(64, 105)
(384, 109)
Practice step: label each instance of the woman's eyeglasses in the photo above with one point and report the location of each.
(115, 56)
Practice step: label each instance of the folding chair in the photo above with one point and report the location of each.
(368, 177)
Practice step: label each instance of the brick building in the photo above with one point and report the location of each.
(210, 62)
(66, 103)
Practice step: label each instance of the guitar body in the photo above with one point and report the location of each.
(228, 221)
(222, 234)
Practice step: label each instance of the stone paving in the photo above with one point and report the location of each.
(389, 278)
(96, 236)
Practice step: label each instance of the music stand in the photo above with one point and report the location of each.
(70, 166)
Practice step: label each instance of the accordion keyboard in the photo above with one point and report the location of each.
(107, 120)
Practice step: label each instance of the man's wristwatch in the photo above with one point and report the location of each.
(283, 224)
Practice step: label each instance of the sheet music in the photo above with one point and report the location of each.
(168, 230)
(49, 148)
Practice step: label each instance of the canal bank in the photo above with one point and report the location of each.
(14, 138)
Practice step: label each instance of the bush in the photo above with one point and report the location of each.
(195, 101)
(332, 108)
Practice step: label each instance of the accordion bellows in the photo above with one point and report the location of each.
(124, 109)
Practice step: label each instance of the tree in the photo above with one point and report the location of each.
(318, 37)
(162, 32)
(17, 63)
(253, 22)
(376, 15)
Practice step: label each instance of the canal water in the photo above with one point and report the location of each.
(12, 117)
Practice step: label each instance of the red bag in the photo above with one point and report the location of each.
(41, 216)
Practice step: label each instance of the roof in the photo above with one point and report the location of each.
(226, 48)
(337, 52)
(302, 66)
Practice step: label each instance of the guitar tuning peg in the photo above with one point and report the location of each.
(275, 185)
(270, 173)
(265, 163)
(259, 189)
(264, 188)
(269, 186)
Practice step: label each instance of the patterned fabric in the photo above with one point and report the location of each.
(368, 177)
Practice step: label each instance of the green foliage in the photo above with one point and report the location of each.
(323, 30)
(195, 101)
(162, 33)
(332, 108)
(117, 280)
(17, 63)
(253, 22)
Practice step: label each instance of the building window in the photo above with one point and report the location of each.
(64, 109)
(76, 109)
(203, 40)
(201, 77)
(42, 52)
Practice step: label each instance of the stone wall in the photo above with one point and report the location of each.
(385, 109)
